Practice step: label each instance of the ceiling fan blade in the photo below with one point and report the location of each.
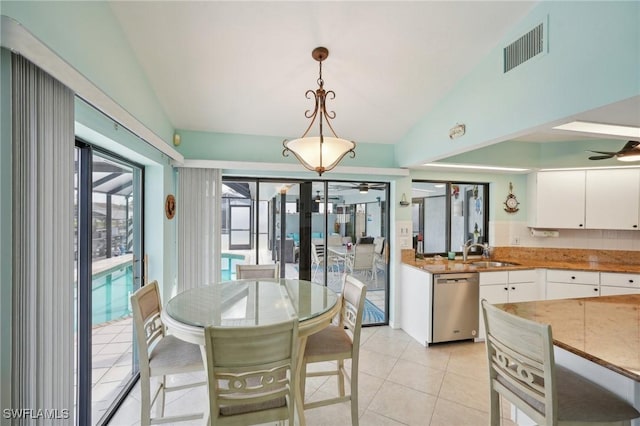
(629, 146)
(601, 157)
(604, 153)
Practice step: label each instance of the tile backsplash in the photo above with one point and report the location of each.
(515, 234)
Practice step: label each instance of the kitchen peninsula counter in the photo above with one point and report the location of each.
(604, 330)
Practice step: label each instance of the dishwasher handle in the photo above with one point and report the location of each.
(442, 279)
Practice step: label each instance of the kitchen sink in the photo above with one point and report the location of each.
(491, 264)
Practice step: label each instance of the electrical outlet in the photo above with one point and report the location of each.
(515, 241)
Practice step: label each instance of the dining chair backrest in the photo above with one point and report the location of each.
(353, 298)
(251, 373)
(522, 369)
(160, 355)
(521, 363)
(257, 271)
(146, 307)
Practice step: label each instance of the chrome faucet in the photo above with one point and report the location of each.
(468, 245)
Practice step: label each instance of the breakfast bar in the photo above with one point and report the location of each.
(598, 337)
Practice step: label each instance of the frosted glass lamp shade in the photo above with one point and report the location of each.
(317, 156)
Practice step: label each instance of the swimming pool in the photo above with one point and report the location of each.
(110, 291)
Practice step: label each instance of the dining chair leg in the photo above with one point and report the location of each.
(302, 380)
(353, 383)
(145, 400)
(494, 409)
(300, 377)
(341, 391)
(160, 402)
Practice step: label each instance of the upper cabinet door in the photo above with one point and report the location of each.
(557, 199)
(612, 199)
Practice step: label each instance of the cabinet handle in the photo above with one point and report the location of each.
(580, 226)
(513, 288)
(573, 278)
(506, 289)
(595, 289)
(631, 281)
(635, 226)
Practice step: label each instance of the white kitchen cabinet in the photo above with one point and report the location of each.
(523, 286)
(415, 302)
(556, 199)
(509, 286)
(506, 287)
(619, 283)
(568, 284)
(612, 199)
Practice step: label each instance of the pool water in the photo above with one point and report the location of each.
(110, 294)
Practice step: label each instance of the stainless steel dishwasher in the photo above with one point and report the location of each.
(455, 307)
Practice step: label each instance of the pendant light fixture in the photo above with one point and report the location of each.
(319, 153)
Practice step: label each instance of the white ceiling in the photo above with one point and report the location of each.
(244, 67)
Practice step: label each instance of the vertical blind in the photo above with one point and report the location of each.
(42, 299)
(198, 216)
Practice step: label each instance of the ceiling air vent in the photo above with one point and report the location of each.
(524, 48)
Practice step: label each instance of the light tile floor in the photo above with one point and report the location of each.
(111, 363)
(401, 383)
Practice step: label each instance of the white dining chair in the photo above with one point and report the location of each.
(251, 373)
(522, 369)
(160, 355)
(271, 270)
(337, 343)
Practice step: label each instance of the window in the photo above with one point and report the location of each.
(447, 214)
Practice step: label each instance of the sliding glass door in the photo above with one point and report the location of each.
(108, 230)
(315, 230)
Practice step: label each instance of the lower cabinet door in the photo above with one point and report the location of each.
(495, 293)
(606, 290)
(523, 292)
(557, 290)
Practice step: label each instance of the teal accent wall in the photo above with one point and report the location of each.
(268, 149)
(159, 238)
(6, 287)
(87, 36)
(593, 59)
(573, 153)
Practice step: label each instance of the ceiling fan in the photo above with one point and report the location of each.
(629, 152)
(362, 187)
(318, 198)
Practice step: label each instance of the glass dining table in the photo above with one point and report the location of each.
(253, 302)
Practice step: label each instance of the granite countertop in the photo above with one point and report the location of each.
(602, 261)
(604, 330)
(448, 266)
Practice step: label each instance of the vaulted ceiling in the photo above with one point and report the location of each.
(244, 67)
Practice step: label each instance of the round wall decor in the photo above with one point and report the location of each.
(170, 206)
